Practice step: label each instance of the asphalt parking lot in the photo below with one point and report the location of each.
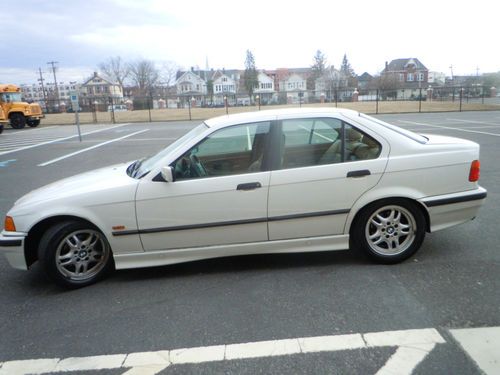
(294, 313)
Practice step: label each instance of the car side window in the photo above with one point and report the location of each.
(318, 141)
(234, 150)
(359, 145)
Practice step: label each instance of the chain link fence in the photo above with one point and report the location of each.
(193, 106)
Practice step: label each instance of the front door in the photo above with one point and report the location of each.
(219, 195)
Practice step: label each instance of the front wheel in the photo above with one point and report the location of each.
(75, 254)
(17, 121)
(389, 231)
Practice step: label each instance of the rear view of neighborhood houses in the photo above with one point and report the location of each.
(121, 86)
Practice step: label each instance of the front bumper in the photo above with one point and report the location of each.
(12, 245)
(452, 209)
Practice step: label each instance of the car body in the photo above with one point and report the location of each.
(279, 181)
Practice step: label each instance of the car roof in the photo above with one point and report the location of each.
(267, 115)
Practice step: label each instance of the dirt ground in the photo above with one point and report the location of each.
(204, 113)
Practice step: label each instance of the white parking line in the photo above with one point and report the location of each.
(413, 346)
(21, 132)
(89, 148)
(60, 139)
(483, 345)
(448, 128)
(471, 121)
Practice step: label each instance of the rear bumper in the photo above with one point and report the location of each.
(12, 246)
(452, 209)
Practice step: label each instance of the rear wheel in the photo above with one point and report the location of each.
(17, 121)
(389, 231)
(75, 254)
(33, 123)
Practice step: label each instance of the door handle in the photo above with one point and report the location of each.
(359, 173)
(249, 186)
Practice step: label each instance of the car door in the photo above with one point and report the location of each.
(219, 195)
(324, 166)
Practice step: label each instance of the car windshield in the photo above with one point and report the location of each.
(407, 133)
(142, 167)
(9, 97)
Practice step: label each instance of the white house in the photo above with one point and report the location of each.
(190, 84)
(265, 88)
(223, 86)
(295, 87)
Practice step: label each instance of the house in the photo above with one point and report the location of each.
(190, 87)
(98, 90)
(265, 88)
(294, 86)
(409, 75)
(223, 87)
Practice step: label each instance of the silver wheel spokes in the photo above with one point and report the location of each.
(82, 254)
(390, 230)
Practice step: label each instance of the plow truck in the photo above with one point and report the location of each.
(17, 112)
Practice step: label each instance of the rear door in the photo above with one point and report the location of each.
(324, 166)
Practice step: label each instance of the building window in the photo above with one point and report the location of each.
(421, 77)
(410, 77)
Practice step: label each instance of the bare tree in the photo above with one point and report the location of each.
(168, 71)
(144, 74)
(116, 69)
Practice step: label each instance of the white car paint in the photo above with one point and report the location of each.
(150, 223)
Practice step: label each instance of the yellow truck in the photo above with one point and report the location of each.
(18, 113)
(3, 120)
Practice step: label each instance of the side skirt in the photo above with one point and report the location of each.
(161, 258)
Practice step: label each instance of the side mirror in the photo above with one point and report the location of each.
(167, 173)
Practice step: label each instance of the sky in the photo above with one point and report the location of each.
(81, 34)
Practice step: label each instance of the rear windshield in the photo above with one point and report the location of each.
(407, 133)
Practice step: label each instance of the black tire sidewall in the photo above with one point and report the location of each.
(47, 254)
(33, 123)
(358, 237)
(17, 121)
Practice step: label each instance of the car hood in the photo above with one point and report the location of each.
(101, 185)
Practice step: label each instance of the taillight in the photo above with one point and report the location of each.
(474, 173)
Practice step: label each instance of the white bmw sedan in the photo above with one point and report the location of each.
(278, 181)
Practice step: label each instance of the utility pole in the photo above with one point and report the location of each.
(56, 88)
(41, 79)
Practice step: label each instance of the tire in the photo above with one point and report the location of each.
(33, 123)
(75, 254)
(389, 231)
(17, 121)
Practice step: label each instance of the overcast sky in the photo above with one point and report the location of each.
(81, 34)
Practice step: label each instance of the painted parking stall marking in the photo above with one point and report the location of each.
(448, 128)
(482, 345)
(90, 148)
(7, 146)
(413, 346)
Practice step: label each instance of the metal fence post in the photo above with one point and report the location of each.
(461, 95)
(150, 102)
(189, 107)
(110, 100)
(336, 97)
(420, 100)
(376, 103)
